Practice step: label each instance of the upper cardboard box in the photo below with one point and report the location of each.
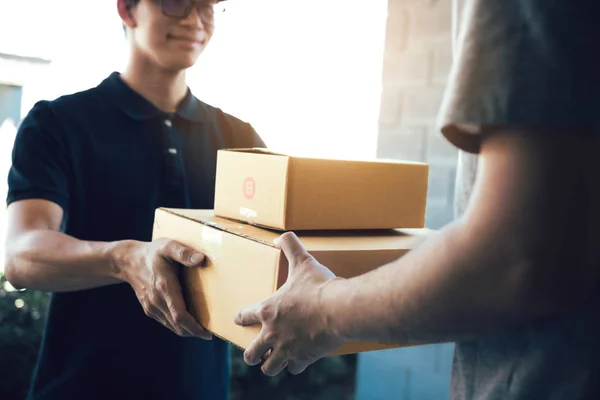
(244, 267)
(286, 192)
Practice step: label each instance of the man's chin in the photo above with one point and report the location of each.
(181, 64)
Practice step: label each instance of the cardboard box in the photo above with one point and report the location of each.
(244, 267)
(300, 193)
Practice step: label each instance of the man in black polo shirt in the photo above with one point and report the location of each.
(88, 172)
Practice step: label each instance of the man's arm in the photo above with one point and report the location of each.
(524, 249)
(40, 257)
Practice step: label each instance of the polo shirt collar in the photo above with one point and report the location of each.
(137, 107)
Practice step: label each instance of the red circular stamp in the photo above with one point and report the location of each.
(249, 188)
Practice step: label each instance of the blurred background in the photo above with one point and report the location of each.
(339, 78)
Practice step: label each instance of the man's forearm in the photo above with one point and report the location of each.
(515, 255)
(451, 288)
(54, 262)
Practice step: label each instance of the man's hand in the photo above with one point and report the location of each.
(152, 271)
(294, 327)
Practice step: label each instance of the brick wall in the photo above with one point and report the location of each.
(416, 64)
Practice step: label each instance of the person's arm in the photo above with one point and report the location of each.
(39, 256)
(522, 92)
(525, 249)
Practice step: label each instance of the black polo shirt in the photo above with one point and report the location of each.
(109, 158)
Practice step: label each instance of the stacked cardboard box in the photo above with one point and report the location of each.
(348, 214)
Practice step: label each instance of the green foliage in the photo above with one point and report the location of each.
(22, 315)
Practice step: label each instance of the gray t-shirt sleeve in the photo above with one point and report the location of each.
(523, 64)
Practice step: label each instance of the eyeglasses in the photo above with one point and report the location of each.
(181, 9)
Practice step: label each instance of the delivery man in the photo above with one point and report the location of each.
(88, 172)
(514, 279)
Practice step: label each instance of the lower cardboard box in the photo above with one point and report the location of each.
(243, 266)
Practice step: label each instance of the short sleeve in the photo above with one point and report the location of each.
(523, 64)
(39, 159)
(257, 141)
(238, 133)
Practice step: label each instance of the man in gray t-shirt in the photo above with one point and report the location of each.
(514, 279)
(527, 64)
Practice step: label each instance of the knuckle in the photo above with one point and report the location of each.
(162, 285)
(143, 299)
(147, 310)
(267, 312)
(304, 258)
(179, 319)
(182, 252)
(152, 300)
(270, 337)
(167, 245)
(161, 245)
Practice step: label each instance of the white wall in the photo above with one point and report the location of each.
(306, 75)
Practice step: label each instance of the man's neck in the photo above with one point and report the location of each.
(165, 89)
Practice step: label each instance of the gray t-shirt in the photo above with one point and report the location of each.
(525, 64)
